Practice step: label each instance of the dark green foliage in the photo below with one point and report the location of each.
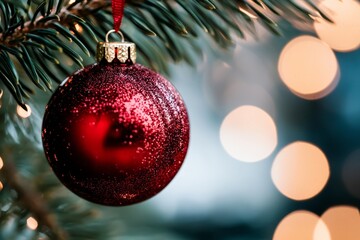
(36, 30)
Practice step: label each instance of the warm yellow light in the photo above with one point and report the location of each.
(71, 2)
(1, 186)
(250, 15)
(31, 223)
(248, 134)
(1, 163)
(22, 113)
(78, 28)
(308, 67)
(344, 34)
(343, 222)
(300, 225)
(321, 231)
(300, 171)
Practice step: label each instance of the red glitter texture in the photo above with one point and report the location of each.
(115, 134)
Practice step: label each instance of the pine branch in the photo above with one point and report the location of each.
(35, 34)
(30, 189)
(31, 200)
(26, 41)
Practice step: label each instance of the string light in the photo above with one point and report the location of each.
(309, 68)
(248, 134)
(22, 113)
(300, 171)
(31, 223)
(344, 33)
(250, 15)
(343, 222)
(301, 225)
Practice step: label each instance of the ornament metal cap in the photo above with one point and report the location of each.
(124, 51)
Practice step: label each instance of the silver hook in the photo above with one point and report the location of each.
(112, 31)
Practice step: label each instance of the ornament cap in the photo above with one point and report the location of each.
(125, 52)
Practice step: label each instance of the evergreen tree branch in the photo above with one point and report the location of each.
(31, 200)
(35, 34)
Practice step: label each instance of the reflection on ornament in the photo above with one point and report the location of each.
(106, 141)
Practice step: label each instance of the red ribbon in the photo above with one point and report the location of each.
(118, 12)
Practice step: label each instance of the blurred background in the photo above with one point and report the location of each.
(275, 140)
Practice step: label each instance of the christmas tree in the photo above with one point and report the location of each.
(43, 42)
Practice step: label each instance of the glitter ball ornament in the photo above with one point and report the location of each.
(115, 132)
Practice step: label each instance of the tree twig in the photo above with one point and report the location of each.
(77, 10)
(31, 200)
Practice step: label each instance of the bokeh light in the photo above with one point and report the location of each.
(344, 34)
(300, 171)
(343, 222)
(1, 186)
(248, 134)
(351, 174)
(1, 163)
(301, 225)
(31, 223)
(308, 67)
(321, 231)
(22, 113)
(78, 28)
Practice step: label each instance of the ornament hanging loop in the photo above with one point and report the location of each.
(124, 51)
(114, 31)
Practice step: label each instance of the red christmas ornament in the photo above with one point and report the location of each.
(115, 133)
